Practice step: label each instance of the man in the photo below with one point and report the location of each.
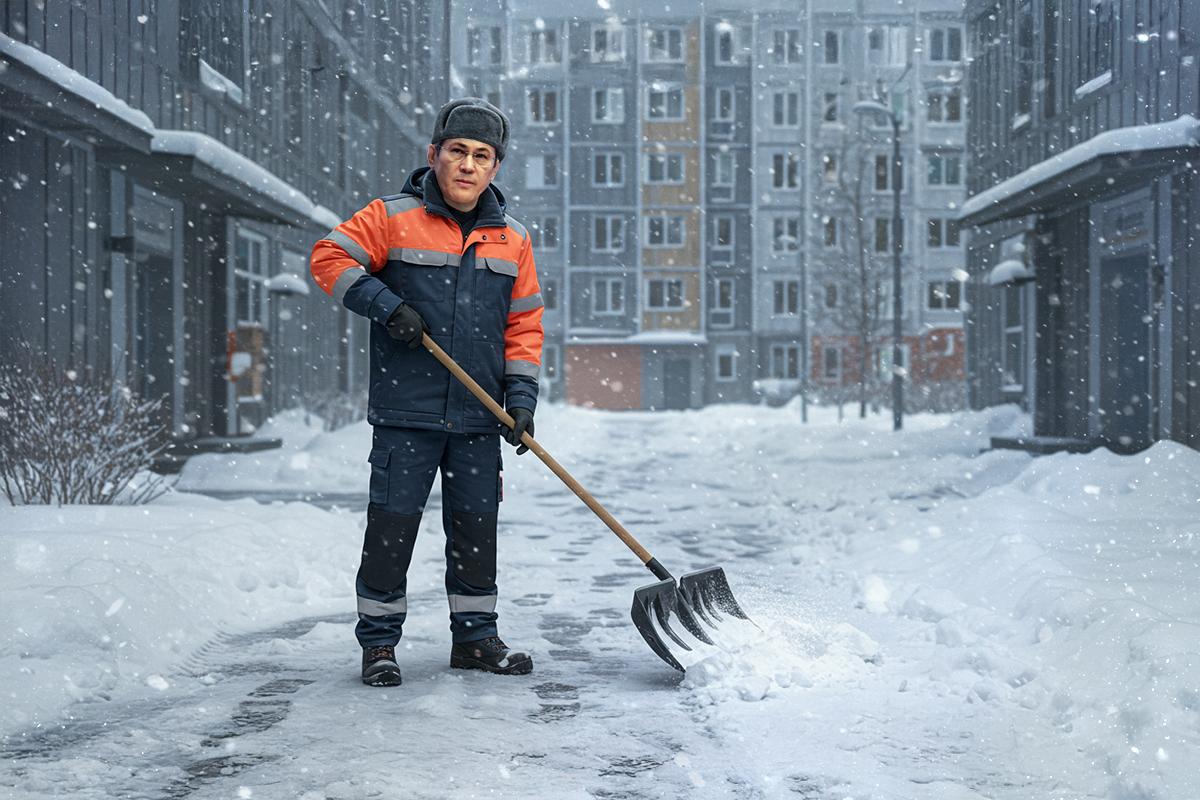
(440, 258)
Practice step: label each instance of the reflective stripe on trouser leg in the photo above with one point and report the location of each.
(382, 582)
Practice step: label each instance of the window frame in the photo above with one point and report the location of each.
(667, 283)
(616, 115)
(608, 219)
(665, 89)
(785, 297)
(608, 156)
(665, 218)
(542, 92)
(611, 309)
(666, 179)
(608, 29)
(648, 54)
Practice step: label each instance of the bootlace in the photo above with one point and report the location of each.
(495, 643)
(381, 652)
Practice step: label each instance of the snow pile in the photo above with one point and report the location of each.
(310, 461)
(102, 600)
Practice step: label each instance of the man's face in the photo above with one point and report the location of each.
(464, 168)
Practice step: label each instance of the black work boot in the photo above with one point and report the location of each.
(490, 655)
(379, 666)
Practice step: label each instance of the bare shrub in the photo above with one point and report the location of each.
(67, 437)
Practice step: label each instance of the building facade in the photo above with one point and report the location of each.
(668, 159)
(166, 168)
(1084, 292)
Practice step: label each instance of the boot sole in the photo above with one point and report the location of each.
(520, 668)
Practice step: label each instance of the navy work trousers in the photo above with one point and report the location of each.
(403, 463)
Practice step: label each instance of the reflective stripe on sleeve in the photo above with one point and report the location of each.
(484, 604)
(352, 248)
(374, 608)
(345, 281)
(526, 303)
(400, 205)
(517, 367)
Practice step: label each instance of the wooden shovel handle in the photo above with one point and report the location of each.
(558, 469)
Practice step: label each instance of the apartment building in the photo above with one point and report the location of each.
(165, 168)
(662, 156)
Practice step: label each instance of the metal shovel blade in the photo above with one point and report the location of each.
(655, 607)
(706, 592)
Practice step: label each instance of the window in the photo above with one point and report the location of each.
(785, 170)
(484, 45)
(787, 297)
(550, 362)
(541, 172)
(608, 296)
(724, 43)
(943, 169)
(942, 233)
(722, 232)
(786, 109)
(664, 103)
(219, 29)
(887, 46)
(608, 105)
(1024, 65)
(250, 275)
(945, 44)
(664, 293)
(665, 230)
(725, 104)
(832, 47)
(664, 168)
(608, 169)
(1013, 370)
(943, 295)
(831, 363)
(884, 173)
(944, 104)
(831, 111)
(785, 361)
(726, 358)
(664, 44)
(720, 310)
(608, 44)
(544, 47)
(550, 293)
(542, 106)
(723, 169)
(883, 235)
(543, 233)
(608, 233)
(830, 234)
(829, 168)
(831, 295)
(785, 234)
(785, 47)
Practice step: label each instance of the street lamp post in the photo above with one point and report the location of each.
(872, 107)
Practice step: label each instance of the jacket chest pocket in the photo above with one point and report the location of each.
(427, 274)
(494, 279)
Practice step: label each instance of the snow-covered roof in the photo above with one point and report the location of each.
(1183, 131)
(233, 164)
(667, 337)
(71, 81)
(326, 217)
(1009, 271)
(287, 283)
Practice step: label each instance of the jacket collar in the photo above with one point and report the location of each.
(423, 183)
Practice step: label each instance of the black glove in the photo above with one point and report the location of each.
(405, 325)
(522, 422)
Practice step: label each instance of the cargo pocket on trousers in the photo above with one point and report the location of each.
(378, 493)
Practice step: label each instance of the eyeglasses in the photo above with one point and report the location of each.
(482, 159)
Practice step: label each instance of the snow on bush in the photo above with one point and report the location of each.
(67, 437)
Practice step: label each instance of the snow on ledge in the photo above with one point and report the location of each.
(71, 81)
(1095, 84)
(1183, 131)
(229, 162)
(287, 283)
(1009, 271)
(325, 217)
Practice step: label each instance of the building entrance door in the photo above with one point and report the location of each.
(1125, 325)
(677, 383)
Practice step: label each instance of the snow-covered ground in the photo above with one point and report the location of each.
(939, 621)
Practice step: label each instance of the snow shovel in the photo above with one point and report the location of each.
(701, 600)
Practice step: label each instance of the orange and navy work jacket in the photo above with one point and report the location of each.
(480, 298)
